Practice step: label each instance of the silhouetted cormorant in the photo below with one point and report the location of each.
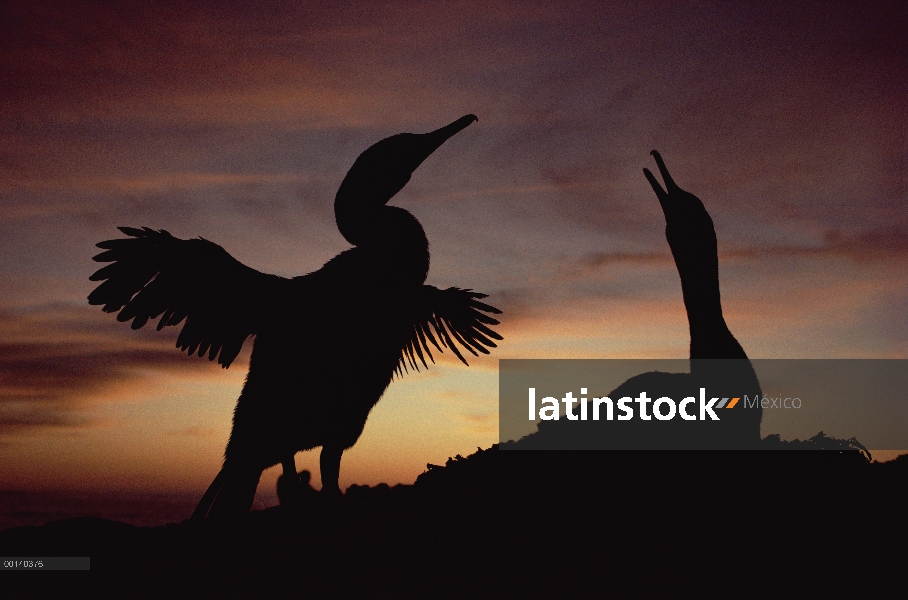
(692, 239)
(327, 344)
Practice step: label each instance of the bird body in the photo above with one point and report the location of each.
(327, 344)
(305, 386)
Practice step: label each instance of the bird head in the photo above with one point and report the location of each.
(382, 171)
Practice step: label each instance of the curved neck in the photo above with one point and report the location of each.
(391, 234)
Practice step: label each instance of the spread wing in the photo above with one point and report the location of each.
(441, 317)
(153, 274)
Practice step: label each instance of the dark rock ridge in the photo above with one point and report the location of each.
(522, 524)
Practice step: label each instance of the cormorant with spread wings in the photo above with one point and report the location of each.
(327, 344)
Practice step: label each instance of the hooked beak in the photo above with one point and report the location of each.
(434, 139)
(382, 171)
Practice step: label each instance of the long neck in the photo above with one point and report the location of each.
(710, 338)
(393, 238)
(709, 335)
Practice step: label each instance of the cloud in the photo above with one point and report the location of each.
(876, 245)
(636, 286)
(157, 182)
(601, 259)
(220, 120)
(199, 432)
(57, 362)
(315, 64)
(480, 422)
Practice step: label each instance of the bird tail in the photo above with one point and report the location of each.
(229, 496)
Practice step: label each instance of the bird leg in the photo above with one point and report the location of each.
(329, 463)
(289, 486)
(201, 511)
(289, 465)
(238, 482)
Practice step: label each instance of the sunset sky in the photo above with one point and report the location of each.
(237, 122)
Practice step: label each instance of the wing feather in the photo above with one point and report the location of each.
(458, 319)
(153, 275)
(417, 346)
(422, 344)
